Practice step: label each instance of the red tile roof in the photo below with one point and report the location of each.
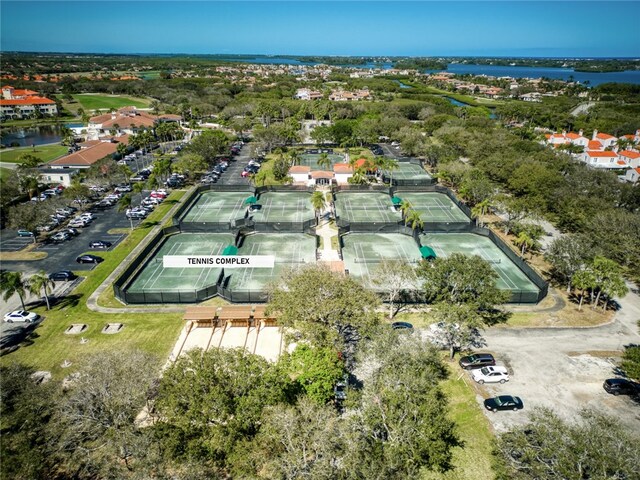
(88, 156)
(342, 168)
(321, 174)
(300, 169)
(573, 136)
(629, 154)
(26, 101)
(594, 145)
(604, 136)
(602, 154)
(621, 162)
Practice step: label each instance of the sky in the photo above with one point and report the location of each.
(362, 28)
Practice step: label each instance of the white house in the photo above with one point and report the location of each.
(604, 138)
(342, 172)
(307, 94)
(597, 159)
(24, 103)
(633, 175)
(301, 174)
(631, 157)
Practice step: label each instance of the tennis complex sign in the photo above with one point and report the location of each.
(217, 261)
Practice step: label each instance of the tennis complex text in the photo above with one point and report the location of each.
(217, 261)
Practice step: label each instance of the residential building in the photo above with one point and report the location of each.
(346, 96)
(631, 157)
(342, 172)
(604, 138)
(633, 175)
(602, 159)
(300, 174)
(307, 94)
(17, 104)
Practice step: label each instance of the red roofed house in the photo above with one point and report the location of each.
(300, 174)
(342, 172)
(24, 103)
(604, 138)
(598, 159)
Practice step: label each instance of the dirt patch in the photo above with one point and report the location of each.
(24, 255)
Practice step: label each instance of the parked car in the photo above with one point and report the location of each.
(60, 237)
(494, 374)
(62, 276)
(123, 188)
(89, 259)
(88, 215)
(78, 223)
(477, 360)
(21, 316)
(100, 244)
(72, 231)
(402, 326)
(45, 228)
(503, 402)
(621, 386)
(25, 233)
(244, 174)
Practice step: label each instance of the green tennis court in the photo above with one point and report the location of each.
(367, 207)
(363, 252)
(290, 249)
(311, 160)
(434, 206)
(284, 207)
(408, 171)
(217, 207)
(154, 277)
(510, 276)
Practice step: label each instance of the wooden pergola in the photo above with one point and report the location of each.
(232, 315)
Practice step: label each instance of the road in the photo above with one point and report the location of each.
(563, 368)
(582, 108)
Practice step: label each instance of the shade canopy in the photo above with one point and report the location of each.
(396, 200)
(251, 200)
(427, 252)
(230, 250)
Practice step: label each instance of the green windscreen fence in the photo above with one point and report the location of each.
(230, 250)
(427, 252)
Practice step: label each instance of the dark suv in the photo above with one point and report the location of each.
(621, 386)
(477, 360)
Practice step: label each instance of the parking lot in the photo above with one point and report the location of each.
(563, 368)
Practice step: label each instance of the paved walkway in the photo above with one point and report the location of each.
(325, 231)
(9, 165)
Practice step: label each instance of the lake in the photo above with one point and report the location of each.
(39, 135)
(630, 76)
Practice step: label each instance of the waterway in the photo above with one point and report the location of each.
(39, 135)
(402, 85)
(593, 79)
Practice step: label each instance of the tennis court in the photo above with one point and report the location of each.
(154, 277)
(363, 252)
(359, 207)
(290, 249)
(510, 277)
(311, 160)
(434, 207)
(217, 207)
(289, 207)
(408, 171)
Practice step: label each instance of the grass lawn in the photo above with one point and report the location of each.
(44, 152)
(48, 347)
(92, 102)
(472, 460)
(4, 172)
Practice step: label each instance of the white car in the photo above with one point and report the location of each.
(88, 215)
(495, 374)
(78, 223)
(21, 316)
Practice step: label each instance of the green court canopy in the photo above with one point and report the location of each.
(230, 250)
(427, 252)
(396, 200)
(251, 200)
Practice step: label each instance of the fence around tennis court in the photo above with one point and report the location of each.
(389, 178)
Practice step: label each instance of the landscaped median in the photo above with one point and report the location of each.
(49, 347)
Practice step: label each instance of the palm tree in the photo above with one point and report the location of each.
(40, 282)
(524, 241)
(318, 202)
(405, 207)
(480, 209)
(294, 157)
(324, 161)
(10, 283)
(359, 177)
(124, 204)
(413, 218)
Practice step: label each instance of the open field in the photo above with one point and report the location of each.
(4, 172)
(95, 102)
(46, 153)
(47, 347)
